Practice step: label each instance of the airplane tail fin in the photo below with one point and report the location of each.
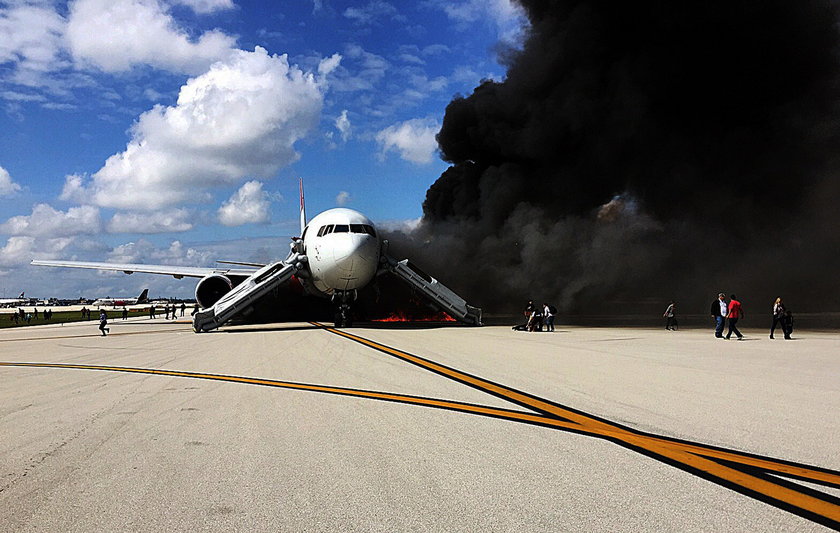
(302, 210)
(21, 294)
(144, 297)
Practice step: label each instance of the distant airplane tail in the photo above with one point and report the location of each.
(144, 297)
(21, 294)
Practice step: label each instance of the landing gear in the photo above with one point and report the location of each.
(344, 311)
(343, 316)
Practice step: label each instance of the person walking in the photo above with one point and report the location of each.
(124, 313)
(778, 317)
(670, 317)
(103, 322)
(735, 313)
(549, 312)
(719, 310)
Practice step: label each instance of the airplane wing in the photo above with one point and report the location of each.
(177, 272)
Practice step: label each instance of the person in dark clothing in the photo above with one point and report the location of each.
(778, 316)
(670, 316)
(103, 323)
(529, 309)
(719, 310)
(787, 324)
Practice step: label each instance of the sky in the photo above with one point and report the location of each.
(175, 131)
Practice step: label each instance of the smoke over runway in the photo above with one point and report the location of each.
(643, 151)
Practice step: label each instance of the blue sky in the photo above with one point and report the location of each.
(174, 131)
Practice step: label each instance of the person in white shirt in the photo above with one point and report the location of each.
(549, 312)
(719, 311)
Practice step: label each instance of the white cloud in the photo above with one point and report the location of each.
(115, 35)
(173, 220)
(20, 250)
(74, 188)
(342, 124)
(32, 40)
(507, 15)
(342, 198)
(414, 139)
(373, 10)
(240, 119)
(45, 221)
(7, 186)
(327, 65)
(248, 205)
(369, 70)
(143, 251)
(206, 6)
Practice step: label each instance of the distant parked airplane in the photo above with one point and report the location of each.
(14, 302)
(337, 254)
(142, 299)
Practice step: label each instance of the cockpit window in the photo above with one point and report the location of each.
(362, 228)
(347, 228)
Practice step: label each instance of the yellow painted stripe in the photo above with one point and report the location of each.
(487, 386)
(692, 455)
(587, 422)
(401, 398)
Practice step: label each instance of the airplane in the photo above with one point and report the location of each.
(14, 302)
(338, 253)
(142, 299)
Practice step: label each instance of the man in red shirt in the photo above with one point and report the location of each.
(734, 313)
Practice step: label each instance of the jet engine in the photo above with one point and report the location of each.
(211, 289)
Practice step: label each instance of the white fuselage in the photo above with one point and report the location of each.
(104, 302)
(342, 246)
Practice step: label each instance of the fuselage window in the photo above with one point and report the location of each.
(342, 228)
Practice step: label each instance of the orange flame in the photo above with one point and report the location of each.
(402, 316)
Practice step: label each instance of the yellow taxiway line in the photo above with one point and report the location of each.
(697, 458)
(745, 473)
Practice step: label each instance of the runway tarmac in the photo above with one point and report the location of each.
(299, 427)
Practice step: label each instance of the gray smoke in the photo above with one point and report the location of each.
(643, 151)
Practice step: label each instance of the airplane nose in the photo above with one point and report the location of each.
(346, 252)
(354, 253)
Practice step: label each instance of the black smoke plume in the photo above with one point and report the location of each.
(643, 151)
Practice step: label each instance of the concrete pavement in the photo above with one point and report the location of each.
(102, 449)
